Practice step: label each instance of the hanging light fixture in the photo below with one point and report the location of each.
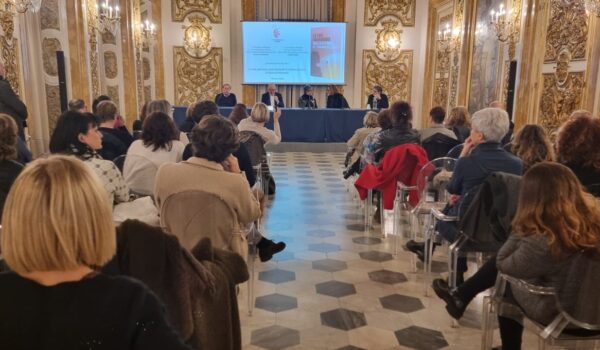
(108, 17)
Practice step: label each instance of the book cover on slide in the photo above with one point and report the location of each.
(325, 52)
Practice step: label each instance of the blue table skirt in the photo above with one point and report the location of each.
(307, 125)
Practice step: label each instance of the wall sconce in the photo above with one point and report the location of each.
(388, 40)
(21, 6)
(449, 39)
(593, 6)
(146, 34)
(506, 27)
(108, 18)
(196, 37)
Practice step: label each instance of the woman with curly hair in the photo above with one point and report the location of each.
(459, 122)
(9, 167)
(578, 147)
(532, 145)
(157, 145)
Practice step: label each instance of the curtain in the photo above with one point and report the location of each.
(288, 10)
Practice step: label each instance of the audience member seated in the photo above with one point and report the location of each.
(78, 105)
(165, 107)
(459, 121)
(195, 113)
(226, 98)
(9, 167)
(307, 100)
(401, 131)
(238, 113)
(355, 144)
(259, 116)
(54, 297)
(335, 99)
(77, 134)
(436, 125)
(532, 145)
(481, 156)
(372, 141)
(508, 137)
(158, 145)
(556, 219)
(578, 147)
(114, 141)
(272, 97)
(213, 169)
(377, 99)
(198, 111)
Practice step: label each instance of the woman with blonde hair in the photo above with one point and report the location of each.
(355, 144)
(54, 297)
(532, 145)
(555, 219)
(9, 167)
(259, 116)
(459, 122)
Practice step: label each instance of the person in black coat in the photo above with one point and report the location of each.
(307, 100)
(272, 97)
(226, 98)
(9, 168)
(11, 104)
(378, 99)
(335, 99)
(115, 142)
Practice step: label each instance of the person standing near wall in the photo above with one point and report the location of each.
(11, 104)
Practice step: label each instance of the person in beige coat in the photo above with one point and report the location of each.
(214, 172)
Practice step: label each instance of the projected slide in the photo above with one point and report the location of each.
(294, 52)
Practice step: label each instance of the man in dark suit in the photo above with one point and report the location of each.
(272, 97)
(226, 98)
(378, 100)
(11, 104)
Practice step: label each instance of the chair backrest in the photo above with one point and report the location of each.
(455, 151)
(139, 173)
(255, 145)
(120, 162)
(192, 215)
(438, 145)
(576, 290)
(433, 179)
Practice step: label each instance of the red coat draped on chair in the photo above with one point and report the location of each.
(401, 163)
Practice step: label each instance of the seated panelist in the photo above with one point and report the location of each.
(377, 99)
(272, 97)
(226, 98)
(307, 100)
(335, 99)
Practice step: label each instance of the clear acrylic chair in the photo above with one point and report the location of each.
(549, 335)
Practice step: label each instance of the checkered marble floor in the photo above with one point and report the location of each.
(335, 287)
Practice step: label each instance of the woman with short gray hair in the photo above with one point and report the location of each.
(481, 156)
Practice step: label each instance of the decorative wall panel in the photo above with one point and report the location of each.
(93, 53)
(440, 92)
(442, 69)
(113, 93)
(53, 104)
(211, 8)
(9, 50)
(197, 78)
(567, 29)
(560, 98)
(459, 8)
(51, 20)
(404, 10)
(395, 77)
(111, 68)
(49, 48)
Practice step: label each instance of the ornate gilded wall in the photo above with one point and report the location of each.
(9, 50)
(566, 42)
(52, 41)
(390, 68)
(198, 74)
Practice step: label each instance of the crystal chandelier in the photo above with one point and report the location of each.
(21, 6)
(108, 17)
(593, 6)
